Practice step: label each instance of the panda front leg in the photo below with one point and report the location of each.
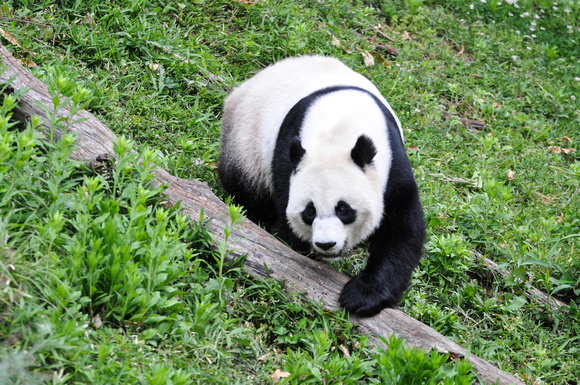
(395, 251)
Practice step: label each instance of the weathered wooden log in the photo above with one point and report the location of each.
(266, 256)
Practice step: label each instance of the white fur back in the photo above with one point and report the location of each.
(254, 112)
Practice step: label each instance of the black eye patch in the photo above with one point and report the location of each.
(309, 214)
(345, 213)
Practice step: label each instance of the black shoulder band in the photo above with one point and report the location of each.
(292, 122)
(282, 166)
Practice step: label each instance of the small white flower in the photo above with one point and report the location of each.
(471, 6)
(511, 49)
(555, 8)
(570, 29)
(532, 29)
(518, 32)
(484, 1)
(567, 10)
(514, 58)
(517, 6)
(573, 97)
(510, 14)
(533, 36)
(577, 79)
(525, 14)
(542, 28)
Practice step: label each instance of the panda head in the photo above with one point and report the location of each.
(335, 197)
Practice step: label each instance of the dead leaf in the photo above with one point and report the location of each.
(27, 62)
(454, 356)
(10, 37)
(335, 42)
(368, 58)
(414, 148)
(560, 217)
(278, 374)
(460, 51)
(555, 149)
(406, 36)
(345, 352)
(153, 66)
(381, 59)
(97, 321)
(566, 139)
(247, 2)
(89, 19)
(511, 175)
(545, 199)
(569, 150)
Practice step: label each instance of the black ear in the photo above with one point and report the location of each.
(364, 151)
(296, 151)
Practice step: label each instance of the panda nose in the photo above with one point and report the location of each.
(325, 245)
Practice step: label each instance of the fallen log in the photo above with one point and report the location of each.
(266, 256)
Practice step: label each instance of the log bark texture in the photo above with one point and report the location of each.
(266, 256)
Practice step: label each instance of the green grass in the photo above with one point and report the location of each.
(101, 284)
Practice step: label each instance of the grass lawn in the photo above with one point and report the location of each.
(100, 284)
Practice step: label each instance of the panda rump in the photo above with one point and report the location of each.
(313, 146)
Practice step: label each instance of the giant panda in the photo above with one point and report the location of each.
(312, 145)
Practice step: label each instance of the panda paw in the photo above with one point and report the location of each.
(366, 297)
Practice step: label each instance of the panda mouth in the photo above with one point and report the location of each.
(327, 255)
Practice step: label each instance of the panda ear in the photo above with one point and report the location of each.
(364, 151)
(296, 151)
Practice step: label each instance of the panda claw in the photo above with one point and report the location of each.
(365, 298)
